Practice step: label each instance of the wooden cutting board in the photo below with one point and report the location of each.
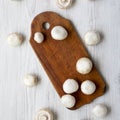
(59, 57)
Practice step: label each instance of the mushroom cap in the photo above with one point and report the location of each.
(30, 80)
(88, 87)
(59, 33)
(70, 86)
(63, 4)
(68, 101)
(14, 39)
(84, 65)
(100, 110)
(44, 114)
(92, 37)
(38, 37)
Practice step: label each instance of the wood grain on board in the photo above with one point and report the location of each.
(59, 57)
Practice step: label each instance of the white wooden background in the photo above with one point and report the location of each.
(20, 103)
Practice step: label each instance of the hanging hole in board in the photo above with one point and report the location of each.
(46, 25)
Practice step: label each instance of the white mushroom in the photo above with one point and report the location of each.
(88, 87)
(30, 80)
(63, 4)
(44, 114)
(38, 37)
(59, 33)
(70, 86)
(92, 37)
(84, 65)
(14, 39)
(100, 110)
(68, 101)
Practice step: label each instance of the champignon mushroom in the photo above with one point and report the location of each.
(70, 86)
(59, 33)
(30, 80)
(38, 37)
(14, 39)
(88, 87)
(84, 65)
(63, 4)
(100, 110)
(44, 114)
(68, 101)
(92, 37)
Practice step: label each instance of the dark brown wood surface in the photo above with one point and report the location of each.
(59, 57)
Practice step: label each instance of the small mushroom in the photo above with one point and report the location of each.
(70, 86)
(84, 65)
(59, 33)
(100, 111)
(88, 87)
(44, 114)
(14, 39)
(30, 80)
(63, 4)
(92, 37)
(68, 101)
(38, 37)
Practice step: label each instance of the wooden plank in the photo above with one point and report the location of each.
(59, 57)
